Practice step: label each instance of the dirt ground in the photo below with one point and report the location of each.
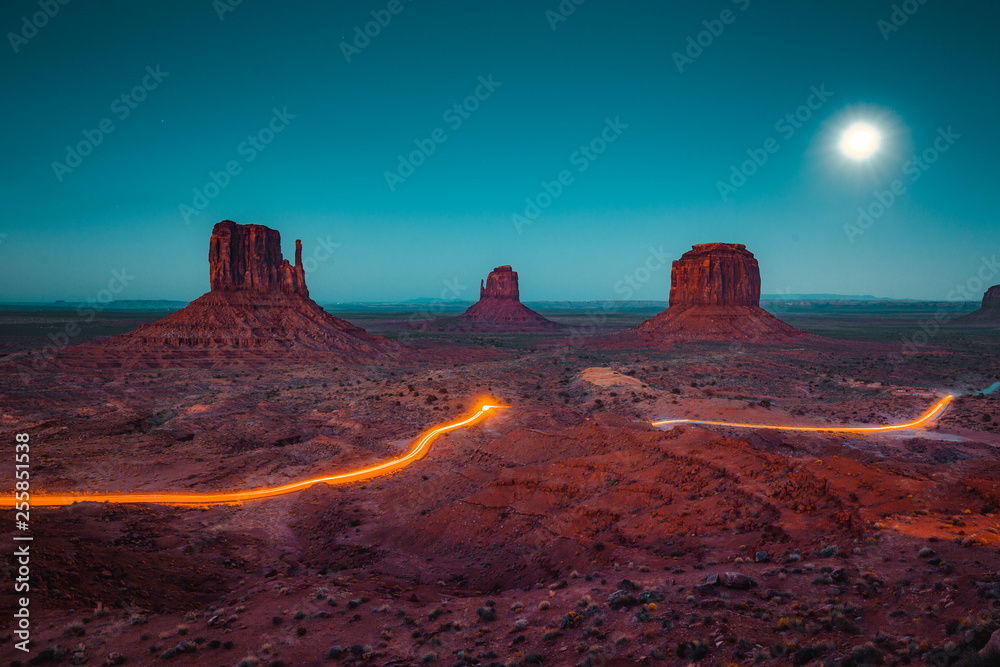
(564, 530)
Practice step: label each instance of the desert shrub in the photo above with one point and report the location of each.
(866, 654)
(692, 650)
(75, 629)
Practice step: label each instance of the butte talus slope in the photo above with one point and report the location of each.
(258, 304)
(989, 313)
(715, 297)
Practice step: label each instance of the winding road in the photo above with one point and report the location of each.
(925, 419)
(417, 450)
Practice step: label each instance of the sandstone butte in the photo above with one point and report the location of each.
(499, 309)
(714, 296)
(989, 313)
(258, 304)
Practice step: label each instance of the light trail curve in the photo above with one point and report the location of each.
(418, 449)
(933, 413)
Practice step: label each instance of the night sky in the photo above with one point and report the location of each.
(642, 125)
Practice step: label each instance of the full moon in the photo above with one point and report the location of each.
(860, 141)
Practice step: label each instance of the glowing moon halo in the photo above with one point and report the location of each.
(860, 141)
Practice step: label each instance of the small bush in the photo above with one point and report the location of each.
(75, 629)
(694, 650)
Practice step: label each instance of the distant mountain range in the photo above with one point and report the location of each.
(827, 297)
(150, 305)
(444, 305)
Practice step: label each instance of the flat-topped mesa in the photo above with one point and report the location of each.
(500, 284)
(714, 296)
(248, 258)
(715, 274)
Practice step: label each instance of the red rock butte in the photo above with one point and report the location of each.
(248, 258)
(715, 296)
(499, 308)
(258, 305)
(989, 313)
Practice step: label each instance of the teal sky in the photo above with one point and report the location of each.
(214, 83)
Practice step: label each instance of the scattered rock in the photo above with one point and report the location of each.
(992, 649)
(737, 581)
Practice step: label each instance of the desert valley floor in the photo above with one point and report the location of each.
(562, 530)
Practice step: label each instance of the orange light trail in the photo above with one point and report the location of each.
(933, 413)
(417, 451)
